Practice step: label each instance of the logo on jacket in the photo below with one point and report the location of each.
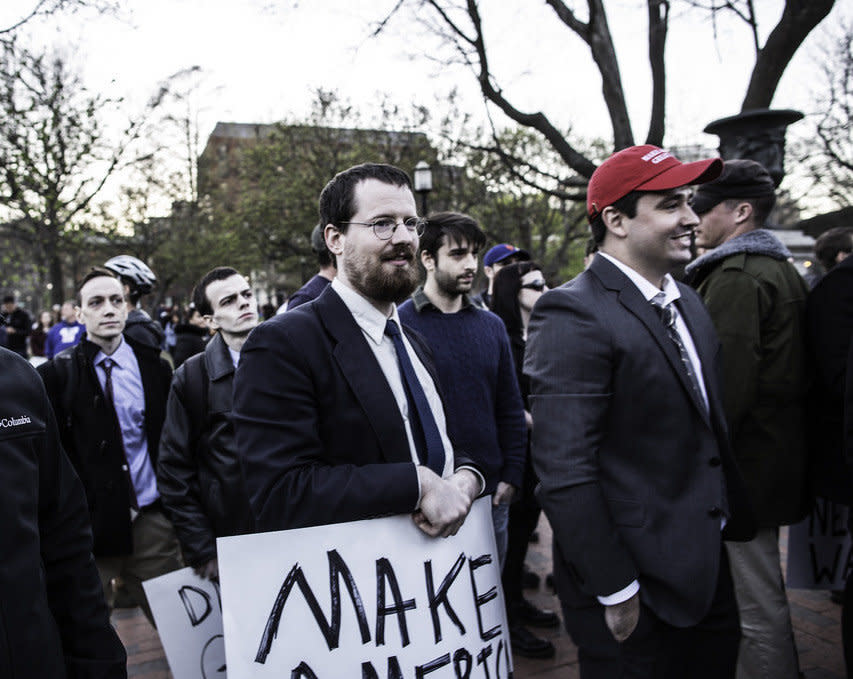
(14, 421)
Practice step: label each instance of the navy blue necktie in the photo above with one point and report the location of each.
(424, 429)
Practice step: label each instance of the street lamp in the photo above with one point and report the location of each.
(423, 184)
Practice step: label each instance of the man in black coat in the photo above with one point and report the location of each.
(337, 413)
(18, 325)
(54, 620)
(829, 328)
(109, 396)
(629, 437)
(198, 472)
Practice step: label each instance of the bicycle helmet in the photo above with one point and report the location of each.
(134, 272)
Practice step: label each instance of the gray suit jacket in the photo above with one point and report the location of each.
(635, 473)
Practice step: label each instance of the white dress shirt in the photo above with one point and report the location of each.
(372, 323)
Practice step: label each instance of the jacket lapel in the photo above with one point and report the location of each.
(359, 367)
(632, 299)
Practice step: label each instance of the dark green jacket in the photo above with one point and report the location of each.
(757, 301)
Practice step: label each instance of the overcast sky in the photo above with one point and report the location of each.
(262, 60)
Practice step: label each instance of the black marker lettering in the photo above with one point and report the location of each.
(422, 670)
(482, 656)
(385, 573)
(440, 597)
(302, 671)
(819, 570)
(196, 618)
(331, 631)
(481, 600)
(459, 657)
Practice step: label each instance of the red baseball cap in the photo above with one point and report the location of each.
(644, 168)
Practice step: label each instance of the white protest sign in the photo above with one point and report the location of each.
(819, 555)
(370, 599)
(188, 613)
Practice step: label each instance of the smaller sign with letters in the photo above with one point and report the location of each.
(188, 613)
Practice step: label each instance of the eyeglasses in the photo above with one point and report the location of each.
(384, 227)
(539, 285)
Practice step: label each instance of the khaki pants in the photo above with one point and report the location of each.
(155, 552)
(767, 649)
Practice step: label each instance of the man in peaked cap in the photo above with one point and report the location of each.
(757, 301)
(629, 436)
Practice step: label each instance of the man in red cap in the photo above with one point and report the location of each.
(629, 437)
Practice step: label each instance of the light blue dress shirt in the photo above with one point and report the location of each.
(129, 403)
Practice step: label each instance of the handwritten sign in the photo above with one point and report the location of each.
(188, 613)
(370, 599)
(819, 555)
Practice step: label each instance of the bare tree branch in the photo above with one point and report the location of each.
(658, 25)
(597, 35)
(798, 19)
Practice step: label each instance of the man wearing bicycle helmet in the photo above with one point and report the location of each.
(138, 280)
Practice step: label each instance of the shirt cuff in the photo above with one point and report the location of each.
(479, 476)
(620, 596)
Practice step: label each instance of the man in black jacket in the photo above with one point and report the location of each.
(18, 325)
(109, 396)
(336, 408)
(198, 472)
(53, 619)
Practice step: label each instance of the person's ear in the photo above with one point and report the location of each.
(614, 221)
(427, 260)
(334, 239)
(743, 212)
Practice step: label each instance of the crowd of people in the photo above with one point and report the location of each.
(661, 408)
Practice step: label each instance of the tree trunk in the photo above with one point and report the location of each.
(798, 19)
(57, 294)
(658, 24)
(604, 54)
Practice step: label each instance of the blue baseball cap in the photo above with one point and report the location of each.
(500, 252)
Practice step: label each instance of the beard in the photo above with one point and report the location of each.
(369, 276)
(450, 285)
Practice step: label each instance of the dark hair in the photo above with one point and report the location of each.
(505, 295)
(8, 299)
(200, 299)
(337, 200)
(627, 205)
(830, 243)
(591, 247)
(94, 272)
(442, 227)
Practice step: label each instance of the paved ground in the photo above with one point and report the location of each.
(816, 624)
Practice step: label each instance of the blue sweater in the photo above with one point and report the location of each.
(485, 415)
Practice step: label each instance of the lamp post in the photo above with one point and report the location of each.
(423, 184)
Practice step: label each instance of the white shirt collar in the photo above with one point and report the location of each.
(235, 356)
(368, 317)
(670, 289)
(121, 356)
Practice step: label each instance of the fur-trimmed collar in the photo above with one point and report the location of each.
(757, 242)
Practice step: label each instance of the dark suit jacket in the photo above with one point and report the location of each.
(829, 328)
(319, 434)
(635, 474)
(91, 435)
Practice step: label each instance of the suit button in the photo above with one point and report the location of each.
(714, 462)
(715, 512)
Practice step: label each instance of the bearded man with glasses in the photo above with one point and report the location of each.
(336, 405)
